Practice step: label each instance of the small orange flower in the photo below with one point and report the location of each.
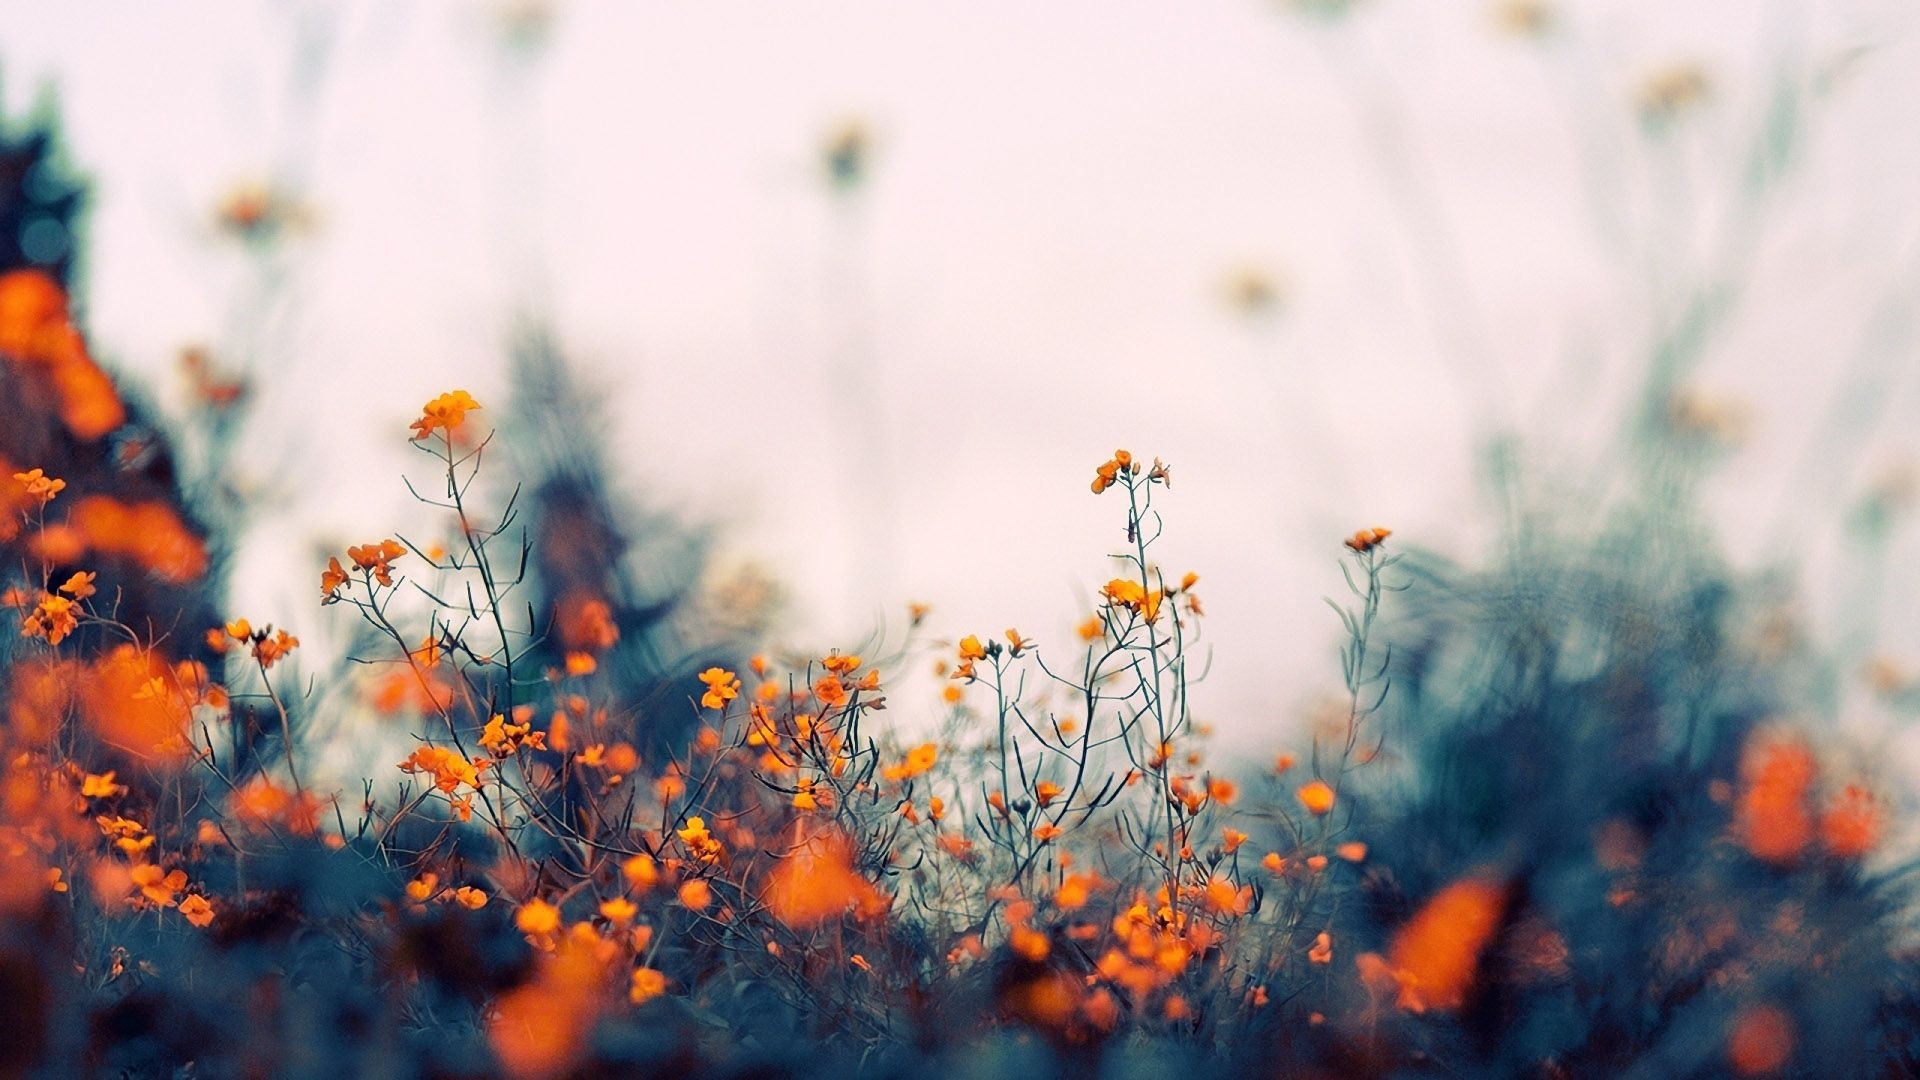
(1322, 951)
(331, 579)
(79, 586)
(197, 910)
(444, 413)
(971, 649)
(1368, 539)
(39, 485)
(647, 985)
(1317, 797)
(377, 558)
(722, 686)
(537, 917)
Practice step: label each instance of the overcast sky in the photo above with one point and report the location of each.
(903, 394)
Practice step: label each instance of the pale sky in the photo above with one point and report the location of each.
(1032, 277)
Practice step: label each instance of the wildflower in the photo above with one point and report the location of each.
(377, 558)
(537, 917)
(444, 413)
(1020, 644)
(331, 579)
(470, 898)
(1109, 471)
(39, 485)
(101, 786)
(722, 686)
(699, 841)
(448, 768)
(695, 895)
(423, 887)
(971, 649)
(1274, 864)
(647, 985)
(159, 887)
(270, 650)
(619, 911)
(1046, 832)
(1222, 791)
(640, 871)
(79, 586)
(1093, 629)
(831, 691)
(1322, 951)
(918, 761)
(1352, 851)
(840, 665)
(52, 620)
(1317, 797)
(1367, 539)
(1232, 839)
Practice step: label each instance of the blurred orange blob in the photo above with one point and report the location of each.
(1851, 825)
(36, 331)
(814, 885)
(1773, 821)
(1761, 1041)
(149, 534)
(131, 700)
(1438, 952)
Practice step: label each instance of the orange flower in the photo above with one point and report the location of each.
(699, 841)
(1232, 839)
(722, 686)
(79, 586)
(448, 768)
(971, 649)
(1436, 955)
(1317, 797)
(470, 898)
(197, 910)
(331, 579)
(695, 895)
(619, 911)
(1046, 832)
(640, 871)
(100, 786)
(647, 985)
(39, 485)
(446, 412)
(1322, 951)
(377, 558)
(919, 760)
(537, 917)
(53, 620)
(1368, 539)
